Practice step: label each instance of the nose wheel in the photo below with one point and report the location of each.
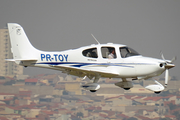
(157, 88)
(157, 92)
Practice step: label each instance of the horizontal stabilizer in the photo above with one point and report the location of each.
(30, 60)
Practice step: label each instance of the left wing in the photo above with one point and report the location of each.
(83, 69)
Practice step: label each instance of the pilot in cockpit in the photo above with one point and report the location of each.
(112, 54)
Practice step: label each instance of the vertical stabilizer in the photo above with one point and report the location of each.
(20, 45)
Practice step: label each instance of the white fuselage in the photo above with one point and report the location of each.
(94, 61)
(129, 67)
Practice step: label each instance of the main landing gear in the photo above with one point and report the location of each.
(126, 85)
(92, 87)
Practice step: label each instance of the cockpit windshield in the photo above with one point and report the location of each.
(127, 52)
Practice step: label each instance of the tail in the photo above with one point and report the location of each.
(21, 48)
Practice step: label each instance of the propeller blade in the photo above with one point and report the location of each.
(166, 77)
(173, 59)
(167, 61)
(162, 56)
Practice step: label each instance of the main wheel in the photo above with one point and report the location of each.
(93, 90)
(126, 88)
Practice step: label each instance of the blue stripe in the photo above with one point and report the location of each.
(76, 64)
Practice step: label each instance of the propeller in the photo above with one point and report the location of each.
(168, 64)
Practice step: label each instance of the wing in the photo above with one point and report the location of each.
(82, 69)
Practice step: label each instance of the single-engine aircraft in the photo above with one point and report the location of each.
(94, 61)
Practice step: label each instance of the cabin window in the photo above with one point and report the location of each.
(127, 52)
(108, 52)
(92, 53)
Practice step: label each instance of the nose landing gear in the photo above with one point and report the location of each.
(157, 88)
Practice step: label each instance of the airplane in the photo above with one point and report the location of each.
(94, 61)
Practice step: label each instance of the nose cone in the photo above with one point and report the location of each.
(166, 65)
(169, 66)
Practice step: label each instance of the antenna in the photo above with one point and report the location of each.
(95, 38)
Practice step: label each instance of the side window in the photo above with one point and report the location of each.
(92, 53)
(108, 52)
(123, 52)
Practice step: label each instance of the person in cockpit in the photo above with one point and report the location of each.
(112, 55)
